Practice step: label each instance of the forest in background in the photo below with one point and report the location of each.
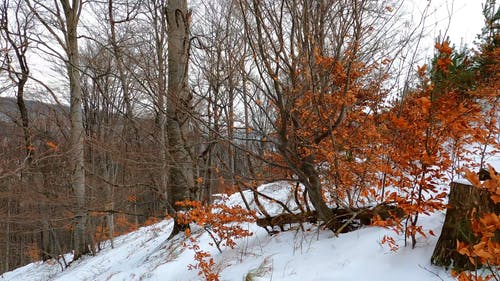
(165, 104)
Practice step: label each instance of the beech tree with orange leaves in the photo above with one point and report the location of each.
(223, 225)
(321, 94)
(418, 129)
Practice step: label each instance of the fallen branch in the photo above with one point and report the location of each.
(351, 219)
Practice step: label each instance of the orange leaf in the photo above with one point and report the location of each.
(52, 145)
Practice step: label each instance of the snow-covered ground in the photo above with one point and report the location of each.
(309, 255)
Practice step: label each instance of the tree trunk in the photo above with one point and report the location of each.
(77, 131)
(181, 181)
(314, 187)
(465, 201)
(352, 218)
(7, 234)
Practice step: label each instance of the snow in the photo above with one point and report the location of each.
(492, 159)
(277, 191)
(314, 255)
(310, 255)
(352, 256)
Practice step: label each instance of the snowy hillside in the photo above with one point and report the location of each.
(293, 255)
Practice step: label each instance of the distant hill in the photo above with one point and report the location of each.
(9, 110)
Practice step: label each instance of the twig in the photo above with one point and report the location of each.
(428, 270)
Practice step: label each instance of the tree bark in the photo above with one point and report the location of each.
(7, 235)
(314, 187)
(72, 13)
(181, 181)
(363, 216)
(465, 201)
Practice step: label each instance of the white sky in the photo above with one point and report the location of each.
(464, 18)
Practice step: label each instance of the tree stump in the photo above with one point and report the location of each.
(466, 202)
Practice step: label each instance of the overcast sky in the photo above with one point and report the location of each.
(465, 22)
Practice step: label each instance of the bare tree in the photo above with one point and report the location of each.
(18, 40)
(63, 18)
(217, 56)
(181, 180)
